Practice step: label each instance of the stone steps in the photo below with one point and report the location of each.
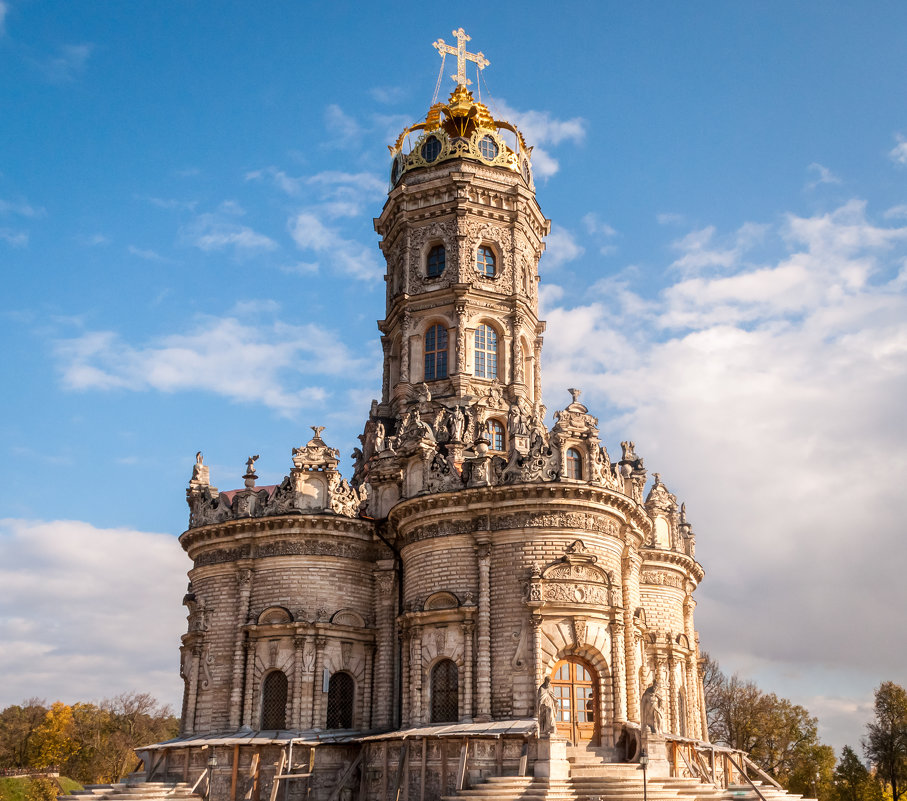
(134, 791)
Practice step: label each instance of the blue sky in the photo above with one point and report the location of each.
(188, 262)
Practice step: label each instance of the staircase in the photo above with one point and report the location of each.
(134, 791)
(593, 779)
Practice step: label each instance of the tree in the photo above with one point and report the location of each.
(853, 782)
(885, 743)
(17, 727)
(779, 736)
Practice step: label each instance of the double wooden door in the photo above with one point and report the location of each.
(575, 686)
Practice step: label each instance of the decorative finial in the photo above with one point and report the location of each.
(462, 56)
(575, 393)
(199, 472)
(317, 430)
(250, 471)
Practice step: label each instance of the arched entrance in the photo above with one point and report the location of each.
(575, 686)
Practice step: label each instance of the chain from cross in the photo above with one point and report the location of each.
(462, 56)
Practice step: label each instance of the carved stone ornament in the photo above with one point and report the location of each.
(579, 631)
(663, 579)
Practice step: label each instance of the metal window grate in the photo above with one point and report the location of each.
(341, 690)
(445, 706)
(274, 701)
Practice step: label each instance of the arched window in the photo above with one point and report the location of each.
(445, 681)
(574, 463)
(274, 701)
(435, 353)
(341, 690)
(495, 432)
(486, 352)
(485, 263)
(437, 261)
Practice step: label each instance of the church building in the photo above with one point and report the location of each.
(487, 599)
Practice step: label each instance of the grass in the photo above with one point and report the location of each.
(17, 788)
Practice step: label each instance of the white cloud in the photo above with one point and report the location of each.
(68, 64)
(21, 208)
(18, 239)
(541, 130)
(822, 175)
(560, 247)
(94, 240)
(4, 10)
(173, 203)
(898, 153)
(71, 637)
(769, 398)
(700, 251)
(274, 360)
(210, 232)
(670, 218)
(340, 125)
(340, 194)
(145, 253)
(349, 256)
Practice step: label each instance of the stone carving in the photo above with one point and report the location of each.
(442, 475)
(206, 661)
(521, 655)
(579, 631)
(250, 476)
(200, 475)
(540, 464)
(440, 638)
(343, 498)
(665, 579)
(590, 594)
(628, 452)
(546, 705)
(346, 653)
(659, 499)
(653, 709)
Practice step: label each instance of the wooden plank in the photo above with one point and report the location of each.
(250, 779)
(275, 782)
(234, 775)
(384, 772)
(461, 767)
(308, 784)
(186, 765)
(401, 763)
(443, 746)
(499, 757)
(422, 770)
(343, 779)
(524, 758)
(363, 774)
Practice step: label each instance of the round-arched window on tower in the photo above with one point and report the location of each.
(445, 691)
(436, 262)
(574, 463)
(495, 431)
(435, 353)
(274, 701)
(486, 352)
(489, 148)
(341, 692)
(485, 262)
(431, 149)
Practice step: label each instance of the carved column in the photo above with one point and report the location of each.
(674, 726)
(631, 566)
(406, 706)
(404, 347)
(365, 710)
(693, 699)
(195, 653)
(384, 685)
(244, 593)
(461, 338)
(319, 714)
(386, 373)
(298, 653)
(415, 674)
(538, 668)
(537, 371)
(693, 728)
(516, 351)
(467, 627)
(483, 634)
(618, 671)
(249, 694)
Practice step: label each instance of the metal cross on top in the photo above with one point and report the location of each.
(462, 56)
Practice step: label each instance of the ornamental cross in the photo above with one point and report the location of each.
(462, 56)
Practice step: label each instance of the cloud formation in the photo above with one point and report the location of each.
(68, 64)
(275, 361)
(213, 232)
(767, 392)
(74, 611)
(541, 129)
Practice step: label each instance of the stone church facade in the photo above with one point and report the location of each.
(396, 628)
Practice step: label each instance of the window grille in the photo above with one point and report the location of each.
(435, 353)
(445, 705)
(574, 463)
(274, 701)
(485, 261)
(437, 261)
(495, 435)
(341, 692)
(486, 352)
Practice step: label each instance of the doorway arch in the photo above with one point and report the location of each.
(576, 686)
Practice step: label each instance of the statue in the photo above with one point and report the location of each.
(547, 709)
(379, 438)
(199, 471)
(652, 709)
(457, 423)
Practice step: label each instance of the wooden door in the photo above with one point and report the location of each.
(575, 686)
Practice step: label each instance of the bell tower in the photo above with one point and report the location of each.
(462, 235)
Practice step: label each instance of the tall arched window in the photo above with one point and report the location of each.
(485, 261)
(445, 680)
(486, 352)
(495, 430)
(341, 691)
(574, 463)
(274, 701)
(437, 261)
(435, 353)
